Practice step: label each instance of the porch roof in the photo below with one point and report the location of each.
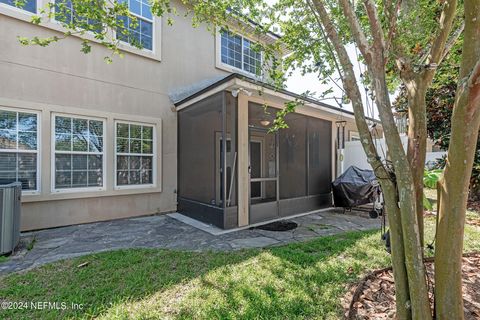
(186, 96)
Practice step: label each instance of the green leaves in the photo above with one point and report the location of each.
(426, 203)
(86, 47)
(430, 178)
(42, 42)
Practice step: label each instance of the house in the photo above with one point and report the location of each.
(177, 125)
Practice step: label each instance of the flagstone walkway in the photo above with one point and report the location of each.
(161, 231)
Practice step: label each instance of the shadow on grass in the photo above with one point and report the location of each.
(304, 280)
(294, 281)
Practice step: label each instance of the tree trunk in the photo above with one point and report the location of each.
(417, 144)
(389, 188)
(402, 294)
(417, 283)
(454, 191)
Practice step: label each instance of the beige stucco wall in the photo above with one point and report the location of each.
(60, 78)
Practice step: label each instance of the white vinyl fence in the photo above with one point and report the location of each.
(353, 154)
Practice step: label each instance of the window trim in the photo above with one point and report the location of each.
(230, 68)
(26, 16)
(129, 45)
(154, 155)
(39, 147)
(53, 152)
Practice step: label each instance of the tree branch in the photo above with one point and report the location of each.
(392, 11)
(358, 34)
(452, 40)
(375, 27)
(436, 53)
(351, 86)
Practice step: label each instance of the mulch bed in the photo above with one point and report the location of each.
(374, 297)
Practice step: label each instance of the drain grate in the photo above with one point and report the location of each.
(278, 226)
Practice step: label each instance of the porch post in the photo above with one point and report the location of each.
(243, 162)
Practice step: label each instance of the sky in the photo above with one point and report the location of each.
(300, 84)
(310, 82)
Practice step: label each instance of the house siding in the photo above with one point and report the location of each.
(61, 79)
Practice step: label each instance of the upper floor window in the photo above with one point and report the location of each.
(78, 153)
(65, 12)
(19, 148)
(28, 5)
(138, 31)
(240, 53)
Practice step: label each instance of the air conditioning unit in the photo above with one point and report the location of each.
(10, 207)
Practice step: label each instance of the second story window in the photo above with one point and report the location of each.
(27, 5)
(240, 53)
(138, 31)
(65, 12)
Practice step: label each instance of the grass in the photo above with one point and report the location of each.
(296, 281)
(3, 259)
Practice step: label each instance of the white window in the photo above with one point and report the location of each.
(78, 147)
(135, 154)
(139, 32)
(19, 149)
(27, 5)
(240, 53)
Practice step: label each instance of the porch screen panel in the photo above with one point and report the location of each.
(319, 156)
(200, 131)
(293, 157)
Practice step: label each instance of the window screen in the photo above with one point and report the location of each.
(319, 156)
(200, 157)
(293, 155)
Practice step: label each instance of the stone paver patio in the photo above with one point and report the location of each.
(165, 232)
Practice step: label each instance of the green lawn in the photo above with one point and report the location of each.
(303, 280)
(3, 259)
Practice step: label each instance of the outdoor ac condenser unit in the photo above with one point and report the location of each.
(10, 196)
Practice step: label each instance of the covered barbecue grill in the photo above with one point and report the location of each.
(355, 187)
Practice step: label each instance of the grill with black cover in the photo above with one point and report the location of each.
(355, 187)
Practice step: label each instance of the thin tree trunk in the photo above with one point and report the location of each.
(404, 310)
(375, 60)
(402, 294)
(417, 83)
(411, 237)
(454, 191)
(417, 144)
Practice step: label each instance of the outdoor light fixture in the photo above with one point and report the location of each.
(265, 122)
(235, 92)
(341, 133)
